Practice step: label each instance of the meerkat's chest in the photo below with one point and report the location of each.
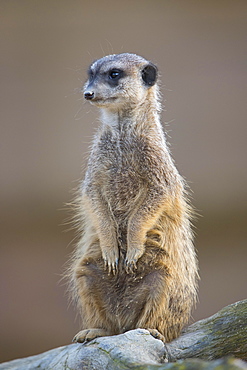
(119, 167)
(122, 158)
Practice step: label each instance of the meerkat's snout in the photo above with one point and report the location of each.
(88, 95)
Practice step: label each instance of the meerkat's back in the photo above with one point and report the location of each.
(135, 265)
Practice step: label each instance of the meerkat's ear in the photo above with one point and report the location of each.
(149, 74)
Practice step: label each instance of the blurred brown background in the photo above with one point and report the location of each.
(46, 47)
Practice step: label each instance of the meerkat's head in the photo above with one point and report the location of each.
(119, 80)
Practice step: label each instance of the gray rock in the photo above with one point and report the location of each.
(133, 348)
(222, 334)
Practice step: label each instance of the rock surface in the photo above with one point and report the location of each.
(203, 345)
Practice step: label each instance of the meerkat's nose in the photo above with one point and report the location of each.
(88, 95)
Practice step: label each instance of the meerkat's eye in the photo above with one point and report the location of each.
(114, 74)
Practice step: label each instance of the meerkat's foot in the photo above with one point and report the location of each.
(131, 259)
(110, 258)
(89, 334)
(156, 334)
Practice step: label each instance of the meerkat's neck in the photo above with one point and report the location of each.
(143, 116)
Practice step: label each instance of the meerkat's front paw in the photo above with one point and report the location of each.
(132, 256)
(110, 256)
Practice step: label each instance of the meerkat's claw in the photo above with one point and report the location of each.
(130, 266)
(115, 267)
(111, 267)
(132, 257)
(105, 263)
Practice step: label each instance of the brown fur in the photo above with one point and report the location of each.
(135, 264)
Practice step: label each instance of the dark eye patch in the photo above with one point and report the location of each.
(114, 76)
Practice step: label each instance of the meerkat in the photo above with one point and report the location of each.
(135, 265)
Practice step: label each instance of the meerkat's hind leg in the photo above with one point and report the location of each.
(89, 334)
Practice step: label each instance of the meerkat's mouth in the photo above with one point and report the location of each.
(102, 100)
